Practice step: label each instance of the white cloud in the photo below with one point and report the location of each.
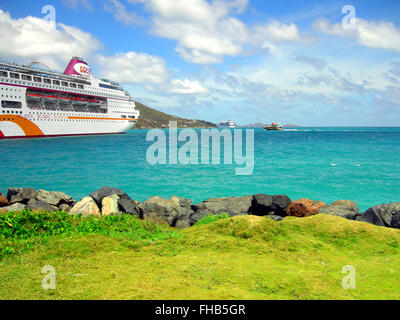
(132, 67)
(205, 32)
(186, 86)
(36, 39)
(76, 3)
(121, 14)
(279, 32)
(371, 34)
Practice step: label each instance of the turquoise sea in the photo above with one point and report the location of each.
(328, 164)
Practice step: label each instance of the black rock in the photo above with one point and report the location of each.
(38, 205)
(98, 195)
(396, 221)
(20, 195)
(263, 205)
(371, 216)
(382, 215)
(199, 214)
(233, 206)
(389, 214)
(281, 203)
(128, 206)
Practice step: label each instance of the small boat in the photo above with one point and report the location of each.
(274, 126)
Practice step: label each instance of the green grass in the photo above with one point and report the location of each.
(20, 231)
(243, 257)
(211, 218)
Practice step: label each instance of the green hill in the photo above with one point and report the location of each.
(246, 257)
(150, 118)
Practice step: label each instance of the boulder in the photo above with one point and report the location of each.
(371, 216)
(199, 214)
(341, 208)
(387, 215)
(64, 207)
(396, 221)
(263, 204)
(38, 205)
(184, 211)
(110, 205)
(87, 206)
(3, 200)
(21, 195)
(129, 206)
(175, 211)
(233, 206)
(14, 207)
(54, 198)
(276, 218)
(98, 195)
(304, 208)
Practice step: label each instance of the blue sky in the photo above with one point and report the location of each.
(247, 60)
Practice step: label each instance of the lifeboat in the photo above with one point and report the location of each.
(94, 103)
(30, 97)
(64, 100)
(79, 102)
(49, 99)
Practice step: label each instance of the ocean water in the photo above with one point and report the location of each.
(328, 164)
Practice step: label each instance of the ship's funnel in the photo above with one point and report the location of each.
(77, 66)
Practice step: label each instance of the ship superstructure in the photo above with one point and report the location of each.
(226, 124)
(42, 103)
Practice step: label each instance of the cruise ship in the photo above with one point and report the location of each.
(226, 124)
(36, 102)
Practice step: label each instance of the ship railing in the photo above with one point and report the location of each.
(51, 74)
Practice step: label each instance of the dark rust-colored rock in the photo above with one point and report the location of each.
(3, 200)
(304, 208)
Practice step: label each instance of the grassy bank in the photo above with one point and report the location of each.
(238, 258)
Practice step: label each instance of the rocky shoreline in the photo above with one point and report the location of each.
(182, 213)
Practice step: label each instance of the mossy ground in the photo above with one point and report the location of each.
(238, 258)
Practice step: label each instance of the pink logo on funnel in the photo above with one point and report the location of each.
(78, 67)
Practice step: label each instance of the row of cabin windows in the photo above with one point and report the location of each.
(39, 79)
(45, 80)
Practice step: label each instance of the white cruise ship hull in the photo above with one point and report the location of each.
(68, 107)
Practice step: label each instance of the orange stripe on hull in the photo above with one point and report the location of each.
(29, 128)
